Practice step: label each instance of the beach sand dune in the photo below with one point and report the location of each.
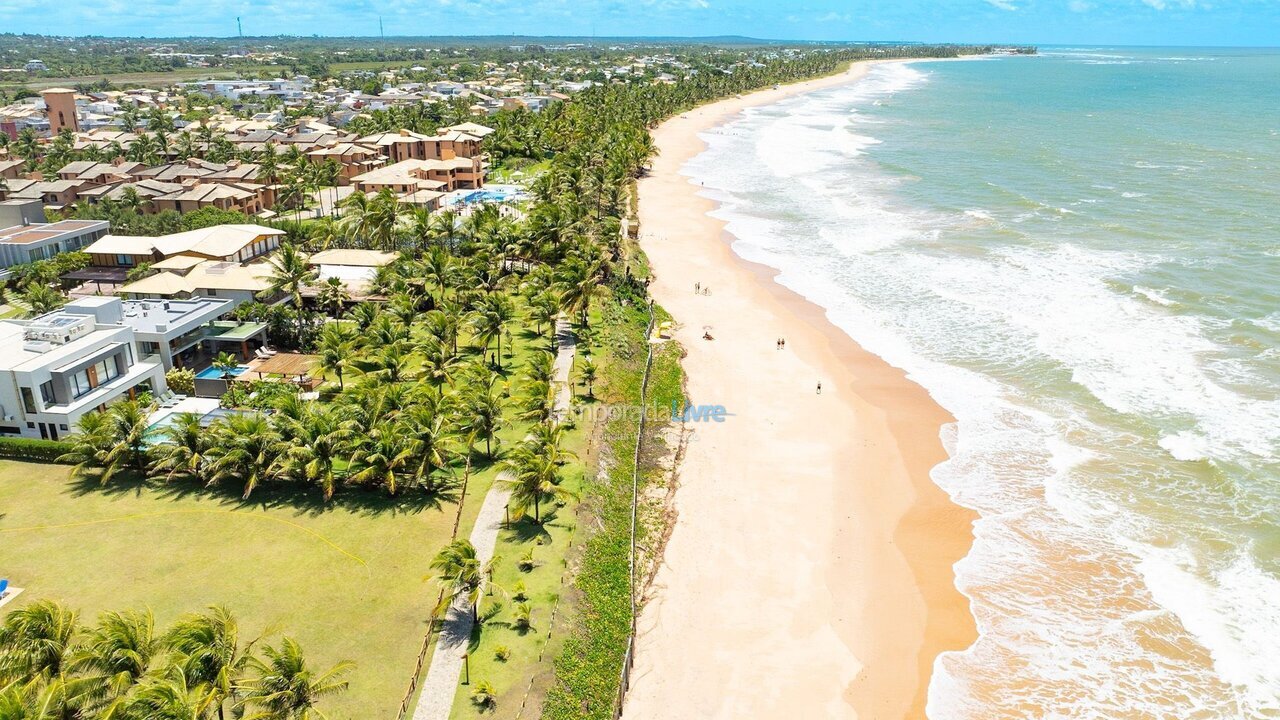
(809, 573)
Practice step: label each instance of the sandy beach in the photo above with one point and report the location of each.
(809, 573)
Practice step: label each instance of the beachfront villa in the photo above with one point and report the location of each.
(224, 243)
(183, 277)
(353, 267)
(183, 333)
(23, 242)
(63, 364)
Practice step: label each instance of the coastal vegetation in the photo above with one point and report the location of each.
(124, 667)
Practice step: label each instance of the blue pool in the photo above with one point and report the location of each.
(213, 373)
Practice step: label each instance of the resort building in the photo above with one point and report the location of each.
(354, 268)
(59, 366)
(224, 243)
(28, 243)
(204, 278)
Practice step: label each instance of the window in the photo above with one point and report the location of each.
(62, 426)
(46, 393)
(124, 259)
(80, 383)
(28, 400)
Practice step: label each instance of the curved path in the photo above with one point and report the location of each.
(441, 682)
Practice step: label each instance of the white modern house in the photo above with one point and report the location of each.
(29, 243)
(61, 365)
(182, 332)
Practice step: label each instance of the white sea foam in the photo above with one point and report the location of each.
(1060, 570)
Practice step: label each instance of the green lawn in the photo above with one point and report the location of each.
(347, 581)
(151, 79)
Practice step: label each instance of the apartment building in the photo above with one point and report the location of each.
(59, 366)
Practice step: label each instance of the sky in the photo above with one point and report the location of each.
(1112, 22)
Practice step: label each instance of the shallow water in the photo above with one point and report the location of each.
(1078, 255)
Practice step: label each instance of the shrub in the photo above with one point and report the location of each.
(483, 695)
(518, 592)
(181, 381)
(31, 449)
(502, 653)
(522, 616)
(526, 562)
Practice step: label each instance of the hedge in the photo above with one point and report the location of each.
(33, 450)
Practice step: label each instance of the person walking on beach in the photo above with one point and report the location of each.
(697, 288)
(819, 387)
(782, 343)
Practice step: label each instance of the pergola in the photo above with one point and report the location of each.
(287, 365)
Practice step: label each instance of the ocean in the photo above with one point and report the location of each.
(1078, 255)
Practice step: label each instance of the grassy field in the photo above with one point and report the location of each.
(146, 79)
(347, 581)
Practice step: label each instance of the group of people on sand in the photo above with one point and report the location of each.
(781, 344)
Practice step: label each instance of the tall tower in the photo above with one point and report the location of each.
(61, 106)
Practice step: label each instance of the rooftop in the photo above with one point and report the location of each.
(157, 317)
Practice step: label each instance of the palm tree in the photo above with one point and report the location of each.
(210, 657)
(320, 437)
(532, 471)
(490, 319)
(589, 375)
(243, 448)
(336, 346)
(482, 408)
(119, 651)
(93, 439)
(581, 283)
(532, 481)
(285, 688)
(226, 364)
(460, 571)
(426, 425)
(290, 274)
(181, 448)
(116, 439)
(333, 295)
(388, 364)
(172, 695)
(37, 641)
(386, 457)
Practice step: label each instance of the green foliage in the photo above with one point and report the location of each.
(33, 450)
(181, 381)
(483, 695)
(587, 670)
(51, 666)
(211, 216)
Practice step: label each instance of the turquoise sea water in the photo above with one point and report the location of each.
(1078, 255)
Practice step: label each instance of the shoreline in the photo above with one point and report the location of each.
(809, 571)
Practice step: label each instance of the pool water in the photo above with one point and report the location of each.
(213, 373)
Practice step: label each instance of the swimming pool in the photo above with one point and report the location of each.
(213, 373)
(491, 194)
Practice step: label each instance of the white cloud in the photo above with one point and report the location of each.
(1079, 6)
(1002, 4)
(1166, 4)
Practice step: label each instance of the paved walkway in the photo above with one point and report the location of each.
(443, 675)
(567, 343)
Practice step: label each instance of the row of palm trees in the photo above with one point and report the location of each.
(420, 392)
(52, 667)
